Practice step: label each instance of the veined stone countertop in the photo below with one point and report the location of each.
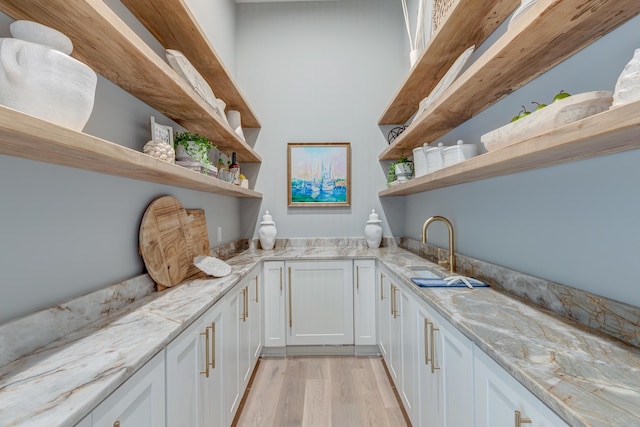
(588, 378)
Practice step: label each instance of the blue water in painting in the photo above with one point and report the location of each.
(310, 192)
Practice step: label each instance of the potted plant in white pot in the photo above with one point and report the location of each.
(191, 147)
(400, 170)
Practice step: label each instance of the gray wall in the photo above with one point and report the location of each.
(65, 231)
(320, 72)
(577, 223)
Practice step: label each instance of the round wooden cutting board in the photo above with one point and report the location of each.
(165, 241)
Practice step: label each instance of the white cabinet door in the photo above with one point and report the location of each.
(406, 315)
(430, 411)
(232, 317)
(255, 315)
(365, 302)
(193, 369)
(139, 402)
(384, 314)
(320, 309)
(184, 364)
(500, 398)
(274, 304)
(210, 409)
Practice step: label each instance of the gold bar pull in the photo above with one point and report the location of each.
(206, 352)
(392, 295)
(257, 297)
(520, 420)
(357, 278)
(280, 280)
(246, 303)
(433, 349)
(213, 345)
(426, 341)
(381, 287)
(290, 298)
(116, 424)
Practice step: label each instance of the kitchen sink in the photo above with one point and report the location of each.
(425, 272)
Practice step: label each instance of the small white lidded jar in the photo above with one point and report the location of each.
(267, 232)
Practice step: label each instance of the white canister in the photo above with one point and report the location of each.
(419, 162)
(459, 153)
(373, 230)
(267, 232)
(434, 157)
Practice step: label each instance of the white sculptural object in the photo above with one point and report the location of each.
(373, 230)
(233, 118)
(38, 77)
(628, 85)
(267, 232)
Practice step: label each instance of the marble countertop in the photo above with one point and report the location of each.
(587, 378)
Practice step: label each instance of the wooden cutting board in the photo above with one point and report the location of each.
(165, 241)
(199, 238)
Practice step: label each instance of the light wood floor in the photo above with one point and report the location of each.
(321, 391)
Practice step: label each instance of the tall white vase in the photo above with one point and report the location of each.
(267, 232)
(233, 117)
(42, 79)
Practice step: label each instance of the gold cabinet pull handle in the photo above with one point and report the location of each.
(392, 304)
(116, 424)
(290, 304)
(520, 420)
(280, 280)
(358, 278)
(433, 348)
(246, 303)
(396, 313)
(381, 287)
(213, 345)
(257, 297)
(206, 352)
(426, 341)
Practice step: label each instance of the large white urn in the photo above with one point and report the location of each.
(267, 232)
(373, 230)
(38, 77)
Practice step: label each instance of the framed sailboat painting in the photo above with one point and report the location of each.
(319, 174)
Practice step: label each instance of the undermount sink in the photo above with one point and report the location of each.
(425, 272)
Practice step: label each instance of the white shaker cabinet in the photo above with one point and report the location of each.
(502, 401)
(139, 402)
(255, 315)
(365, 302)
(444, 370)
(320, 303)
(274, 304)
(383, 292)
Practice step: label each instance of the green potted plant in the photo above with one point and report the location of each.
(192, 146)
(400, 170)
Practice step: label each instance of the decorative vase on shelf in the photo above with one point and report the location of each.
(267, 232)
(373, 230)
(40, 78)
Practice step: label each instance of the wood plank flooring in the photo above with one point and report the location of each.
(321, 391)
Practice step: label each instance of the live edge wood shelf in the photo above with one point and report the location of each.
(105, 43)
(25, 136)
(609, 132)
(175, 27)
(468, 23)
(549, 32)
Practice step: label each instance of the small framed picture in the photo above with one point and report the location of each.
(319, 174)
(161, 132)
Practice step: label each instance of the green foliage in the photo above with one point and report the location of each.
(196, 146)
(391, 174)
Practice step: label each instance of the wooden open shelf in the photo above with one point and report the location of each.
(29, 137)
(175, 27)
(105, 43)
(551, 31)
(609, 132)
(468, 23)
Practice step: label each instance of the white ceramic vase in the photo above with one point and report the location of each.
(373, 230)
(267, 232)
(42, 79)
(233, 117)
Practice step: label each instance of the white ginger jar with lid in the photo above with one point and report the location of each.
(267, 232)
(373, 230)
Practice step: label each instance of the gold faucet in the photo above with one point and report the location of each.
(452, 256)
